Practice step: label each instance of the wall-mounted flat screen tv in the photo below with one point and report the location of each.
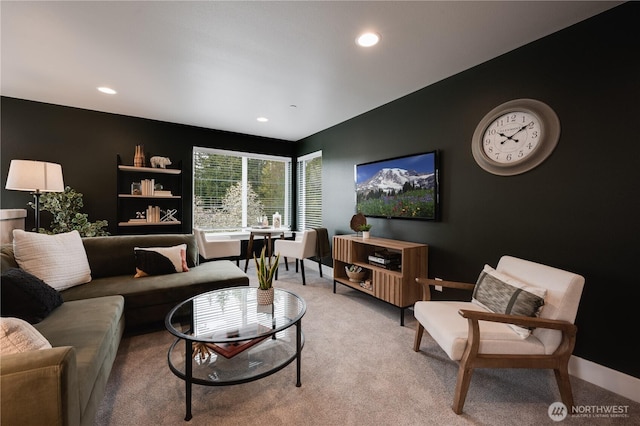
(403, 187)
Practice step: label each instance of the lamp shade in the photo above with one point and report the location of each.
(36, 176)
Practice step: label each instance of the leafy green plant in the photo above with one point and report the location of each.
(265, 271)
(65, 210)
(364, 227)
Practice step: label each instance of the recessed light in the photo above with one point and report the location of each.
(368, 39)
(262, 119)
(107, 90)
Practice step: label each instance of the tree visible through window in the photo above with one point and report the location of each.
(231, 190)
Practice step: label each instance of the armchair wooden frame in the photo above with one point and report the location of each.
(558, 361)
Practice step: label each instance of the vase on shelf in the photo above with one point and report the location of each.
(366, 234)
(138, 158)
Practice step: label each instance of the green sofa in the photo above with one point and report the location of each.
(65, 385)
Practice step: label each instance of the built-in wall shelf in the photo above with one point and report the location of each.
(149, 199)
(149, 170)
(148, 196)
(149, 223)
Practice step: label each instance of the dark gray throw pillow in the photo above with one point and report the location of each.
(26, 296)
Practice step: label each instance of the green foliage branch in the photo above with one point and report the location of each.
(65, 210)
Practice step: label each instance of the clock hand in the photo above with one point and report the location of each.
(507, 137)
(511, 137)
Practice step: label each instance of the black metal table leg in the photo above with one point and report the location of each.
(249, 252)
(188, 376)
(299, 350)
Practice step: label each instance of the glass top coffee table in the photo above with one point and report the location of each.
(224, 337)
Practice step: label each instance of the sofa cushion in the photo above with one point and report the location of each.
(26, 296)
(93, 327)
(500, 293)
(114, 255)
(7, 259)
(17, 336)
(148, 300)
(160, 260)
(59, 260)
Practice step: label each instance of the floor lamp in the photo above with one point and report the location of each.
(36, 177)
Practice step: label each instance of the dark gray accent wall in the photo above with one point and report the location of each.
(579, 210)
(86, 142)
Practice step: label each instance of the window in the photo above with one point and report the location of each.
(310, 191)
(231, 190)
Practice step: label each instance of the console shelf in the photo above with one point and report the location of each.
(397, 287)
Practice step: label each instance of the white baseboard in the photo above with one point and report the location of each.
(605, 377)
(599, 375)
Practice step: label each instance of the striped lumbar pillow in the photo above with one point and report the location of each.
(502, 294)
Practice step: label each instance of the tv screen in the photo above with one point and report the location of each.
(402, 187)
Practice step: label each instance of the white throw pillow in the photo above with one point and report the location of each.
(17, 336)
(59, 260)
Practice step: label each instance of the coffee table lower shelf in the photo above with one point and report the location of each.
(260, 360)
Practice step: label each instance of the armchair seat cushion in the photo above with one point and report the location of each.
(451, 331)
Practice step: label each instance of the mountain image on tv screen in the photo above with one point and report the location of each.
(404, 187)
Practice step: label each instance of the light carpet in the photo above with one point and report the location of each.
(358, 368)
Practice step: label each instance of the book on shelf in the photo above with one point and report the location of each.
(147, 187)
(162, 193)
(137, 220)
(153, 214)
(231, 349)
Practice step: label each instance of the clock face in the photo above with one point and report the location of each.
(511, 137)
(515, 137)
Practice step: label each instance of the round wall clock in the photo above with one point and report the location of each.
(515, 137)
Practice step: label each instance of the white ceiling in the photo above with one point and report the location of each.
(220, 65)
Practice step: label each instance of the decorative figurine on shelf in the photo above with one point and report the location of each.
(136, 188)
(160, 162)
(169, 215)
(138, 158)
(140, 215)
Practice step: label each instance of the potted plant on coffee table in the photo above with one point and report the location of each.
(265, 271)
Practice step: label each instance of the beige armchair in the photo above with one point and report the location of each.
(213, 246)
(304, 246)
(495, 330)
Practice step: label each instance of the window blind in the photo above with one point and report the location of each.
(310, 191)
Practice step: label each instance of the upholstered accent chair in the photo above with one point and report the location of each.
(303, 247)
(521, 316)
(213, 246)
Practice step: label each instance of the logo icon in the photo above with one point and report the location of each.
(557, 411)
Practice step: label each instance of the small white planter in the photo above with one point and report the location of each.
(265, 297)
